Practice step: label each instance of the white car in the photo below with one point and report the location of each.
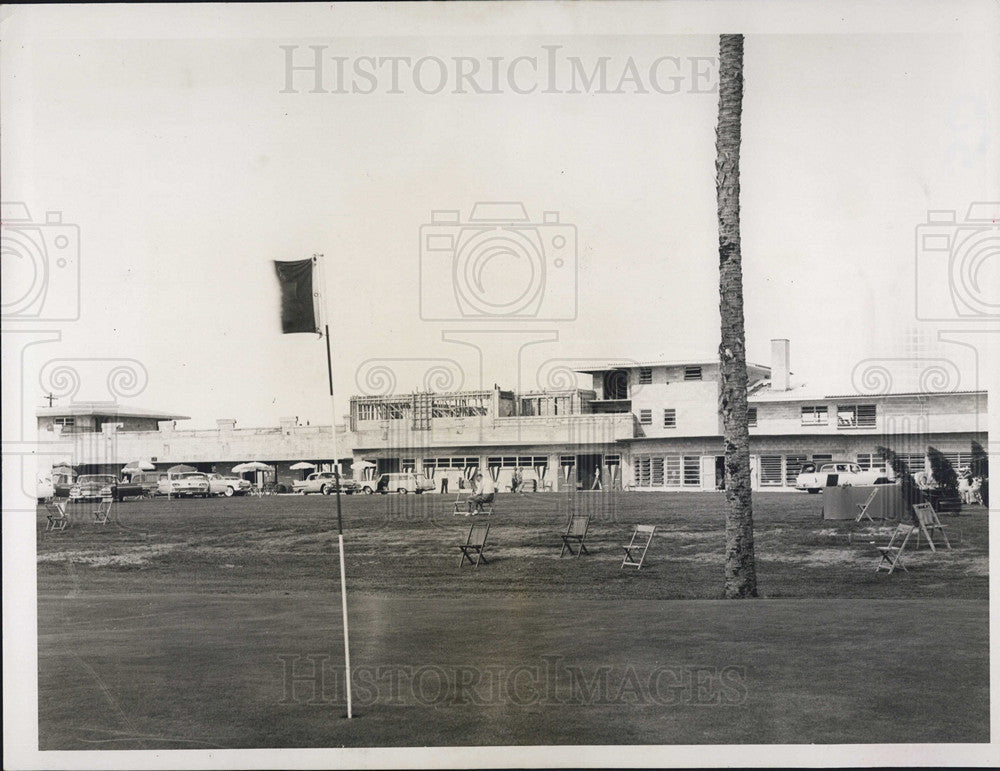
(189, 483)
(402, 483)
(324, 483)
(814, 476)
(228, 486)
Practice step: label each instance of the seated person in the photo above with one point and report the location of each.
(483, 492)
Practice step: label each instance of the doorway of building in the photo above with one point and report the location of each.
(587, 470)
(387, 466)
(720, 472)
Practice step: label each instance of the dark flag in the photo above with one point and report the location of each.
(298, 313)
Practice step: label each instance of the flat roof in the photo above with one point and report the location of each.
(104, 408)
(802, 393)
(661, 363)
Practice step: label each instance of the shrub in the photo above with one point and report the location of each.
(942, 470)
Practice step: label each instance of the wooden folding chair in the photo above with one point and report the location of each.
(863, 508)
(928, 523)
(475, 544)
(103, 511)
(57, 519)
(576, 532)
(641, 532)
(892, 553)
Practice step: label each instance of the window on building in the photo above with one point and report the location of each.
(670, 418)
(958, 459)
(751, 416)
(770, 471)
(672, 471)
(814, 416)
(641, 470)
(612, 460)
(645, 375)
(648, 471)
(656, 471)
(692, 373)
(453, 462)
(567, 460)
(64, 421)
(821, 457)
(646, 417)
(692, 471)
(914, 461)
(869, 460)
(793, 465)
(856, 416)
(616, 384)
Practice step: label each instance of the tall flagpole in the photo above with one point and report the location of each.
(340, 522)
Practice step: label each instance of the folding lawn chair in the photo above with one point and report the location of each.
(475, 544)
(103, 511)
(928, 522)
(892, 553)
(641, 532)
(57, 519)
(863, 508)
(576, 532)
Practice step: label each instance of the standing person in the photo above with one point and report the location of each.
(517, 482)
(444, 483)
(483, 492)
(597, 478)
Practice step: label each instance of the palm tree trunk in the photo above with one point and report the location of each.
(741, 572)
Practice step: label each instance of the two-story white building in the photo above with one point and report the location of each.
(656, 426)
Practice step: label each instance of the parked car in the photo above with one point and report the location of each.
(813, 477)
(404, 482)
(189, 483)
(147, 481)
(220, 484)
(92, 487)
(44, 489)
(325, 483)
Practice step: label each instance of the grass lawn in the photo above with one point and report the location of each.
(196, 624)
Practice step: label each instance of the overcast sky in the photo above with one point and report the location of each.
(165, 136)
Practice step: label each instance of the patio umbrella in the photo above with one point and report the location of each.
(253, 465)
(138, 465)
(181, 469)
(304, 466)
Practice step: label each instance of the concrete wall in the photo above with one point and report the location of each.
(569, 430)
(917, 414)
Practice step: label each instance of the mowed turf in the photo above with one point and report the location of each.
(189, 624)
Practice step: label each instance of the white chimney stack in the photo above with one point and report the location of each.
(779, 365)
